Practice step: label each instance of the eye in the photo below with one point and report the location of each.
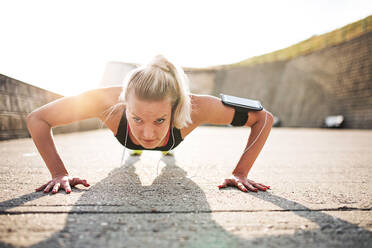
(138, 120)
(159, 121)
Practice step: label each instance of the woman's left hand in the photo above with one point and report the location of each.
(243, 183)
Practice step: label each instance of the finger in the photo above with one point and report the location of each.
(46, 190)
(228, 182)
(224, 184)
(56, 188)
(241, 186)
(77, 180)
(42, 186)
(257, 185)
(250, 187)
(67, 187)
(264, 185)
(85, 183)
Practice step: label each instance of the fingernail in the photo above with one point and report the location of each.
(219, 186)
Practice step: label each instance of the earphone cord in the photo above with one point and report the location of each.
(250, 144)
(257, 135)
(157, 166)
(125, 145)
(122, 158)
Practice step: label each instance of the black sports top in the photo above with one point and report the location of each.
(174, 139)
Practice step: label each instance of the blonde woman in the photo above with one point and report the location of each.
(154, 110)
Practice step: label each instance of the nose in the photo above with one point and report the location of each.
(148, 133)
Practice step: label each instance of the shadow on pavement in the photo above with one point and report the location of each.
(164, 216)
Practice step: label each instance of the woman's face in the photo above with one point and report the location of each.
(148, 120)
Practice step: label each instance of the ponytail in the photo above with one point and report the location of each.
(158, 79)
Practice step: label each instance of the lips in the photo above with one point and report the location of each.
(149, 141)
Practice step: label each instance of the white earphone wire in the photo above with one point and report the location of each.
(122, 158)
(259, 134)
(157, 166)
(125, 144)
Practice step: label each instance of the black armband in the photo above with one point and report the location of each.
(242, 106)
(240, 118)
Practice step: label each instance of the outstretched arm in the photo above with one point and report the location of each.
(261, 123)
(260, 128)
(61, 112)
(212, 111)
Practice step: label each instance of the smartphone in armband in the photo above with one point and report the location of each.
(241, 104)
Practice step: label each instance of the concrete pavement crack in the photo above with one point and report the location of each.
(151, 211)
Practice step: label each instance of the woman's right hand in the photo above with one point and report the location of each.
(64, 181)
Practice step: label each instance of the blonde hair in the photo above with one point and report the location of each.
(155, 81)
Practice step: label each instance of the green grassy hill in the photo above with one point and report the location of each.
(310, 45)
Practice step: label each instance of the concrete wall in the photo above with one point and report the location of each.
(115, 72)
(301, 91)
(18, 99)
(201, 81)
(304, 90)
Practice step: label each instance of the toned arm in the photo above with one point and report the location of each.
(212, 111)
(63, 111)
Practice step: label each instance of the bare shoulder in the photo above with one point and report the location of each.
(69, 109)
(100, 99)
(207, 109)
(210, 110)
(104, 98)
(109, 94)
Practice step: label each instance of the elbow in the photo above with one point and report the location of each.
(36, 125)
(30, 117)
(33, 118)
(269, 118)
(260, 117)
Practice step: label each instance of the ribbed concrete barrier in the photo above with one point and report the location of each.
(18, 99)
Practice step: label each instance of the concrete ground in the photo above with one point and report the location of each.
(321, 192)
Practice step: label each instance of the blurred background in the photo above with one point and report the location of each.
(308, 62)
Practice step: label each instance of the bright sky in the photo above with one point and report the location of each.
(63, 46)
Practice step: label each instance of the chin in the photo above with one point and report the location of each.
(150, 146)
